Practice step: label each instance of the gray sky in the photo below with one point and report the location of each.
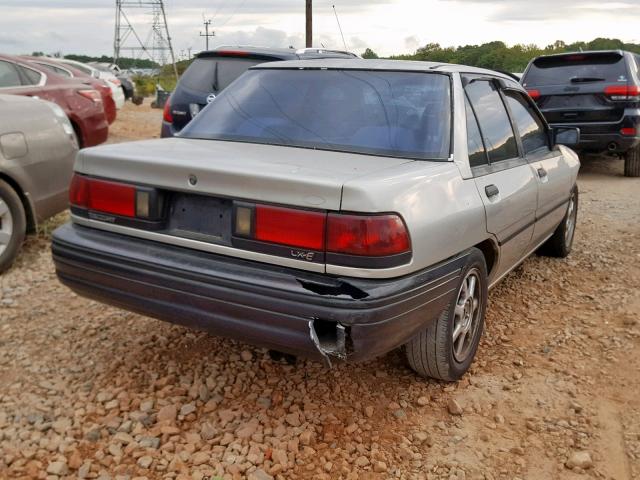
(387, 26)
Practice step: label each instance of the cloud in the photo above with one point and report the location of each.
(412, 43)
(552, 10)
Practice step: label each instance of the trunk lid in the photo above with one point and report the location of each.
(571, 87)
(262, 173)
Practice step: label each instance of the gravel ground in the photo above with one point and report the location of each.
(89, 391)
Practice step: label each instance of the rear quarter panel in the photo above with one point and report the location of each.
(443, 212)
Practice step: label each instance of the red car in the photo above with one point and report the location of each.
(81, 102)
(68, 71)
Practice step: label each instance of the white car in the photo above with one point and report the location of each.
(106, 75)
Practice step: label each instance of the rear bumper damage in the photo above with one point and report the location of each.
(293, 311)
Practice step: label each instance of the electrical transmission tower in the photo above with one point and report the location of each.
(156, 44)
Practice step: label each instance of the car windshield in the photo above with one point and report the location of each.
(577, 68)
(400, 114)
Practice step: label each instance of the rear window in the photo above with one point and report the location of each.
(207, 75)
(577, 68)
(383, 113)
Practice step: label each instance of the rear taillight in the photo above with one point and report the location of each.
(103, 196)
(622, 92)
(349, 237)
(287, 226)
(115, 81)
(166, 113)
(92, 95)
(534, 94)
(628, 131)
(367, 235)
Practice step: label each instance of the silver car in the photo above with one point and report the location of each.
(336, 209)
(37, 150)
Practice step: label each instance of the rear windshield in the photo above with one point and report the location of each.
(207, 75)
(383, 113)
(577, 68)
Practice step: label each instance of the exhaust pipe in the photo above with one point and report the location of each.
(612, 147)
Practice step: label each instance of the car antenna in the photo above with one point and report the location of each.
(339, 27)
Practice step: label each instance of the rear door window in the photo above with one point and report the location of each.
(32, 77)
(9, 76)
(475, 146)
(577, 68)
(530, 126)
(494, 121)
(207, 75)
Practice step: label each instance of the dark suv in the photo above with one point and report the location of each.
(599, 92)
(213, 71)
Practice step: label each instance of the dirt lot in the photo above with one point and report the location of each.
(95, 392)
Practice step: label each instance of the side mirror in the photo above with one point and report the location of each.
(568, 136)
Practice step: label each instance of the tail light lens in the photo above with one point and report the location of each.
(103, 196)
(622, 92)
(347, 237)
(286, 226)
(628, 131)
(166, 113)
(115, 81)
(370, 235)
(534, 94)
(92, 95)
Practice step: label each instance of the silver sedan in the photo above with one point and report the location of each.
(37, 151)
(336, 209)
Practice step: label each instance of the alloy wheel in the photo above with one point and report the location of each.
(6, 226)
(466, 316)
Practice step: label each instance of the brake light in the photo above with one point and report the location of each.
(232, 53)
(103, 196)
(287, 226)
(628, 131)
(622, 92)
(92, 95)
(367, 235)
(166, 113)
(534, 94)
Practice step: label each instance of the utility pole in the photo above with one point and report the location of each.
(207, 34)
(309, 29)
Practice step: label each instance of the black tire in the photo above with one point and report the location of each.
(560, 243)
(431, 352)
(18, 220)
(632, 162)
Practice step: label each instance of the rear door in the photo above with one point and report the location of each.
(503, 177)
(548, 165)
(579, 87)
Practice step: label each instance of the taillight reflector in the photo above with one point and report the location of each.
(166, 113)
(628, 131)
(102, 196)
(535, 94)
(92, 95)
(371, 235)
(286, 226)
(622, 92)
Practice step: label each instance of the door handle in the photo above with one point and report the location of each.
(491, 190)
(542, 172)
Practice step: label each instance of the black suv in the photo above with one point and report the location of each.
(213, 71)
(598, 92)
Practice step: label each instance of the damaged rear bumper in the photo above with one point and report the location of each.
(293, 311)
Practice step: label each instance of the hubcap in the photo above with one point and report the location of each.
(6, 226)
(571, 221)
(466, 316)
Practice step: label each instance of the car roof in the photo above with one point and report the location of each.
(586, 52)
(378, 64)
(239, 51)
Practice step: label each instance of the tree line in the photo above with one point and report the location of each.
(498, 56)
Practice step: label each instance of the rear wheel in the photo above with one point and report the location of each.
(445, 350)
(13, 225)
(560, 243)
(632, 162)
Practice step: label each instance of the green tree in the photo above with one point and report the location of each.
(368, 53)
